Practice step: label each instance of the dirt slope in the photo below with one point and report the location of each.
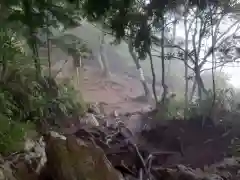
(114, 93)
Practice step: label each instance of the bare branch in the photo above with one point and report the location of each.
(217, 66)
(212, 48)
(174, 57)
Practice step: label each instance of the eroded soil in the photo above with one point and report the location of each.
(178, 141)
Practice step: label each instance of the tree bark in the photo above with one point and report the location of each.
(139, 68)
(49, 55)
(103, 58)
(201, 89)
(27, 8)
(164, 86)
(35, 55)
(174, 28)
(49, 48)
(193, 90)
(154, 78)
(186, 64)
(4, 66)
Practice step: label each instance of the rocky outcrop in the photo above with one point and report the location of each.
(102, 154)
(73, 158)
(59, 157)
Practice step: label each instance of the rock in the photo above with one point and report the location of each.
(115, 114)
(73, 159)
(35, 152)
(29, 145)
(24, 171)
(93, 108)
(57, 135)
(6, 172)
(2, 177)
(89, 119)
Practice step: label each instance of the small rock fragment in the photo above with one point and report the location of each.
(89, 119)
(115, 114)
(29, 145)
(57, 135)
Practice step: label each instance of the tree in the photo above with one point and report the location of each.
(136, 58)
(102, 56)
(186, 33)
(32, 16)
(74, 47)
(199, 25)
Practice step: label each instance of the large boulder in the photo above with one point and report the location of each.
(73, 159)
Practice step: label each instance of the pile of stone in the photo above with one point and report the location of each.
(102, 153)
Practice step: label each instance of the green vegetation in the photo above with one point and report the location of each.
(28, 98)
(25, 100)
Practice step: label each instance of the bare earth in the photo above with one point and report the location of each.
(195, 145)
(114, 93)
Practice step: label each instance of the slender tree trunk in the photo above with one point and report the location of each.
(4, 66)
(186, 101)
(154, 78)
(103, 58)
(193, 90)
(78, 73)
(49, 56)
(27, 9)
(77, 65)
(174, 28)
(139, 68)
(35, 55)
(213, 68)
(164, 86)
(49, 49)
(201, 89)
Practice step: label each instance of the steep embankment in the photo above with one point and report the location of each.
(115, 93)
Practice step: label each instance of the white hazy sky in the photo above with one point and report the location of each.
(233, 69)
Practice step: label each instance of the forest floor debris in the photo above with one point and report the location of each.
(177, 150)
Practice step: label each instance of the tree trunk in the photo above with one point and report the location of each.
(139, 68)
(78, 74)
(77, 65)
(27, 9)
(193, 90)
(35, 55)
(174, 28)
(154, 78)
(164, 86)
(49, 49)
(103, 58)
(201, 89)
(213, 68)
(186, 66)
(49, 55)
(4, 67)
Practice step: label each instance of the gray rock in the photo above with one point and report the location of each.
(89, 119)
(6, 172)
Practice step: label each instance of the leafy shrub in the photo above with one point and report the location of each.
(223, 101)
(26, 99)
(12, 135)
(175, 108)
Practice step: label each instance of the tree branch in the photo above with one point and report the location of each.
(174, 57)
(212, 48)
